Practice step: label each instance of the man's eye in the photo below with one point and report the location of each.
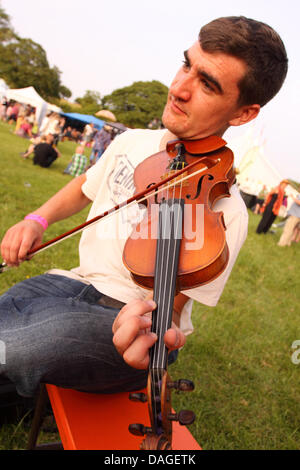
(186, 64)
(207, 85)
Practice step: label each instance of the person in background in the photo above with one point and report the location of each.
(25, 129)
(271, 206)
(20, 120)
(260, 200)
(102, 139)
(14, 113)
(88, 134)
(44, 124)
(78, 163)
(45, 153)
(296, 234)
(3, 108)
(291, 223)
(53, 127)
(62, 123)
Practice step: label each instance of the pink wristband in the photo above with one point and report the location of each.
(37, 218)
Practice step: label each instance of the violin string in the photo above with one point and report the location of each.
(156, 372)
(176, 236)
(166, 303)
(161, 247)
(161, 242)
(166, 235)
(164, 251)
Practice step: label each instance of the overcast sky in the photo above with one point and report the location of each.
(104, 45)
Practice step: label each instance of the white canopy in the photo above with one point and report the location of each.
(255, 169)
(3, 87)
(30, 96)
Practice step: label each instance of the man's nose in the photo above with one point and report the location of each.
(182, 86)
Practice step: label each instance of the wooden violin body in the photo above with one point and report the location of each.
(179, 244)
(203, 251)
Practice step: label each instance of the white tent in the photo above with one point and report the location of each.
(30, 96)
(3, 88)
(255, 170)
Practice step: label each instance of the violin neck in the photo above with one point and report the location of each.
(166, 265)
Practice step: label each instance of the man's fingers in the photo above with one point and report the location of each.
(174, 339)
(127, 332)
(11, 249)
(137, 355)
(132, 337)
(18, 240)
(135, 308)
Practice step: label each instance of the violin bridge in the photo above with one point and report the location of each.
(178, 180)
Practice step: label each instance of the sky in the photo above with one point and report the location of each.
(104, 45)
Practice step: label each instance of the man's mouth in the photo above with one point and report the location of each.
(175, 107)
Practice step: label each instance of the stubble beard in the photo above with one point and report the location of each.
(173, 125)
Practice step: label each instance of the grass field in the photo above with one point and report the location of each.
(246, 386)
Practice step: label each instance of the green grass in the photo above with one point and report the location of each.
(246, 387)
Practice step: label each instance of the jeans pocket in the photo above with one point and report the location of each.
(88, 294)
(10, 305)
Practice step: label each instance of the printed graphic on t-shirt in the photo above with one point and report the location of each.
(121, 187)
(120, 180)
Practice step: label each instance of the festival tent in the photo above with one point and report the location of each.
(30, 96)
(98, 123)
(255, 169)
(106, 114)
(3, 88)
(85, 118)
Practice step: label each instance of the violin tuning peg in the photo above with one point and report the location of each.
(182, 385)
(138, 397)
(184, 417)
(139, 429)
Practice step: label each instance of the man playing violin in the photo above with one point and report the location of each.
(88, 328)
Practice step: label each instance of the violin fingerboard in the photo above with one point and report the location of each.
(166, 266)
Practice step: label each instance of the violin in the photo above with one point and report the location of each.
(180, 244)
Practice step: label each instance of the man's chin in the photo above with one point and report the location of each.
(175, 128)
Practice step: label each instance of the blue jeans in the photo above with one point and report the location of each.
(54, 331)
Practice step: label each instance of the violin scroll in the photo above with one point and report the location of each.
(159, 435)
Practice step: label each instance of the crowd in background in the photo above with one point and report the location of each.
(268, 204)
(44, 139)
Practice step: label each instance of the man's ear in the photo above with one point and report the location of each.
(245, 114)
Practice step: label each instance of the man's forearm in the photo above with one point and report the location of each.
(68, 201)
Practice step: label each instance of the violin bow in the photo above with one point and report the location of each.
(139, 197)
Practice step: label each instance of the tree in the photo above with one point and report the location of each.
(90, 97)
(139, 104)
(6, 31)
(90, 102)
(24, 62)
(64, 92)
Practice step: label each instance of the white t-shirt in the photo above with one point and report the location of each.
(109, 183)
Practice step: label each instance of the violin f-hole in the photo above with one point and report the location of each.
(199, 187)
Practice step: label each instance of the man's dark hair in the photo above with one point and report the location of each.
(258, 45)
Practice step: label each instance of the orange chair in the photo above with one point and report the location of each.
(88, 421)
